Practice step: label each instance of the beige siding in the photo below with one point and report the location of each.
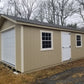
(7, 24)
(76, 52)
(18, 47)
(33, 57)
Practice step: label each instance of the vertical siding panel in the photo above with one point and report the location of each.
(7, 24)
(18, 47)
(27, 48)
(77, 53)
(34, 58)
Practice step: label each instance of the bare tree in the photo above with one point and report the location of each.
(81, 8)
(66, 8)
(53, 11)
(15, 7)
(21, 8)
(1, 8)
(28, 7)
(8, 10)
(9, 7)
(81, 2)
(50, 11)
(72, 25)
(57, 11)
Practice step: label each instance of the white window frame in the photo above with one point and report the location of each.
(76, 40)
(43, 49)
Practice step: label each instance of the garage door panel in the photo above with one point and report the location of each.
(8, 46)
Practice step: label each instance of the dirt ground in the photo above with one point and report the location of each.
(8, 77)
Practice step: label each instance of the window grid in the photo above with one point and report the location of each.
(46, 40)
(78, 38)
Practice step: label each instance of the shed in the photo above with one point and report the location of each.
(28, 46)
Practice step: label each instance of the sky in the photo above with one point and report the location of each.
(75, 19)
(1, 4)
(70, 20)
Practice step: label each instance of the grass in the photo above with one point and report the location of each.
(7, 76)
(78, 75)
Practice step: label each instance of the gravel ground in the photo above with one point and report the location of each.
(72, 76)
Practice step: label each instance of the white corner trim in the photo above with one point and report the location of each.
(15, 46)
(76, 41)
(11, 27)
(61, 46)
(22, 49)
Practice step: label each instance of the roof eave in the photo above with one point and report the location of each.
(41, 26)
(47, 27)
(9, 19)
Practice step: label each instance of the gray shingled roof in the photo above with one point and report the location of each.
(42, 23)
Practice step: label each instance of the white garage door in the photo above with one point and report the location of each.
(8, 46)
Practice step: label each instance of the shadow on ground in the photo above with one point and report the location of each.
(72, 76)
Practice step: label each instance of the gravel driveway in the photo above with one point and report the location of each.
(72, 76)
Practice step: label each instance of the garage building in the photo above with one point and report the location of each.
(28, 46)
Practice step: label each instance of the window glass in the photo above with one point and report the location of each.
(46, 40)
(78, 38)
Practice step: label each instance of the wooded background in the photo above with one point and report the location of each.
(50, 11)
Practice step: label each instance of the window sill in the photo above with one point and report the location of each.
(78, 46)
(49, 49)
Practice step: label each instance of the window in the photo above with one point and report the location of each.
(46, 40)
(78, 41)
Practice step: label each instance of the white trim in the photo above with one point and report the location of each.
(11, 27)
(53, 28)
(76, 40)
(61, 47)
(1, 47)
(46, 27)
(22, 49)
(41, 40)
(15, 47)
